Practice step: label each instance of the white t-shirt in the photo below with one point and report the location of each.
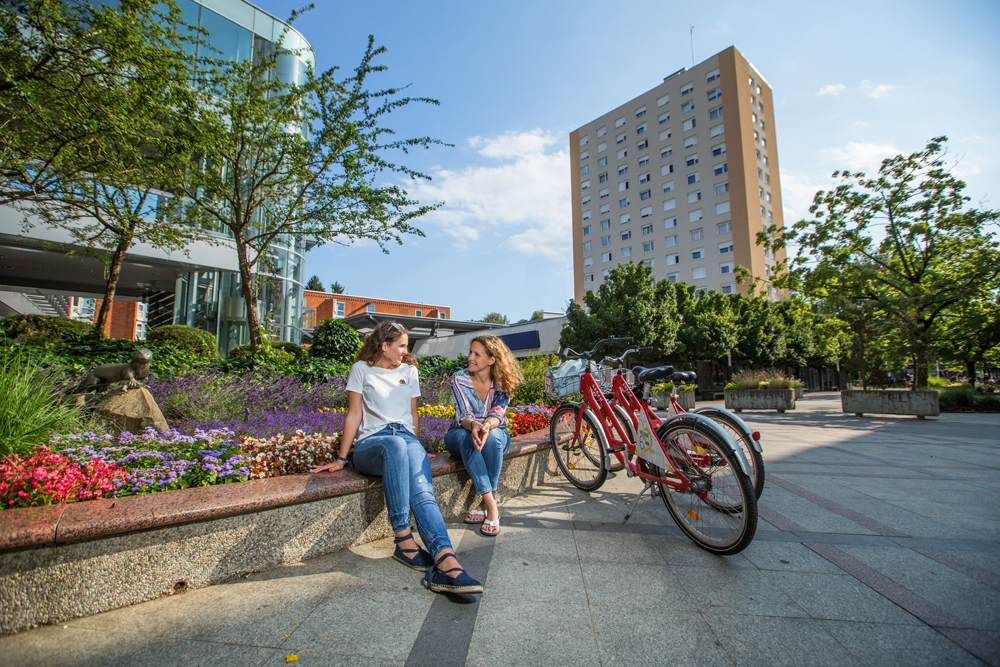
(386, 395)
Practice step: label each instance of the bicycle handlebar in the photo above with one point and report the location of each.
(571, 354)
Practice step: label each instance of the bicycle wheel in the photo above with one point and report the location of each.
(580, 456)
(621, 414)
(718, 511)
(743, 440)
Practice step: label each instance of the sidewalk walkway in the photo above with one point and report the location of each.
(879, 544)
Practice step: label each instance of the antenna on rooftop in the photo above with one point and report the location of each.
(692, 46)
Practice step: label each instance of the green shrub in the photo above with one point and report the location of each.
(43, 329)
(186, 339)
(937, 382)
(268, 354)
(293, 349)
(667, 387)
(30, 406)
(963, 396)
(766, 378)
(335, 340)
(433, 365)
(532, 390)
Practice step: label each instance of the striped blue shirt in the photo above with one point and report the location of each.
(468, 404)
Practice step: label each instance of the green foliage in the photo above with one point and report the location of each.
(532, 390)
(269, 354)
(335, 340)
(965, 397)
(761, 328)
(668, 387)
(628, 303)
(337, 288)
(433, 365)
(766, 378)
(314, 284)
(186, 339)
(538, 315)
(495, 318)
(30, 409)
(709, 329)
(43, 328)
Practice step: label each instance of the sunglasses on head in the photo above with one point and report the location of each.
(397, 326)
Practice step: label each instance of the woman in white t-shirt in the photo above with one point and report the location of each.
(382, 391)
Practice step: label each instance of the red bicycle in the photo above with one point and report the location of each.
(693, 464)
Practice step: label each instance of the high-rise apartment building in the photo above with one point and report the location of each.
(681, 178)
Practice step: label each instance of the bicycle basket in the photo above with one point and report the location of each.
(562, 381)
(606, 376)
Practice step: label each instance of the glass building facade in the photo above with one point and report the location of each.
(212, 300)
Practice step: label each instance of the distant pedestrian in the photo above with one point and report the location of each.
(382, 391)
(479, 435)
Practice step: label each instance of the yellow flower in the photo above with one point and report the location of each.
(291, 657)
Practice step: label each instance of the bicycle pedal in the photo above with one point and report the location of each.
(620, 448)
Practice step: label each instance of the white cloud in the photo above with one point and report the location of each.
(859, 124)
(859, 156)
(797, 192)
(875, 91)
(834, 89)
(517, 199)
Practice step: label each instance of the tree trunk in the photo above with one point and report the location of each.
(249, 290)
(920, 366)
(970, 368)
(114, 270)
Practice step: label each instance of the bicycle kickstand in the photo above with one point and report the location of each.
(648, 485)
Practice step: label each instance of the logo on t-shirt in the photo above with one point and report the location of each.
(402, 381)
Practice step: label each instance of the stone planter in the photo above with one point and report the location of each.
(661, 401)
(888, 402)
(760, 399)
(686, 400)
(799, 392)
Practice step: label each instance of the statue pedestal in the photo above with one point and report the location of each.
(134, 411)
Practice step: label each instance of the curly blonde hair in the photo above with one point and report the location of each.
(506, 372)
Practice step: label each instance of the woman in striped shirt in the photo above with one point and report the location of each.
(479, 434)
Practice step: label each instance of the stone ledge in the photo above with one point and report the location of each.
(31, 527)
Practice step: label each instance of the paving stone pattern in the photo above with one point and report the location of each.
(879, 544)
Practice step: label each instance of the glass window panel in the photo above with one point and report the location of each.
(235, 10)
(230, 40)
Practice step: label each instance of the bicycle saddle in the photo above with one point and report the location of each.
(652, 374)
(685, 377)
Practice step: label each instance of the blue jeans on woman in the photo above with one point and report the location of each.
(397, 456)
(483, 466)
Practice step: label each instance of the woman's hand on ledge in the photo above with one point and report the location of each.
(330, 467)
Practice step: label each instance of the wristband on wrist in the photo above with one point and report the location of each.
(343, 460)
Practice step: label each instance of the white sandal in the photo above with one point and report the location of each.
(491, 524)
(475, 513)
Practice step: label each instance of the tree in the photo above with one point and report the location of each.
(91, 107)
(314, 284)
(799, 331)
(708, 329)
(760, 329)
(971, 332)
(903, 240)
(628, 303)
(495, 318)
(286, 161)
(537, 315)
(337, 288)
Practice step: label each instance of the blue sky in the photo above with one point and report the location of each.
(853, 83)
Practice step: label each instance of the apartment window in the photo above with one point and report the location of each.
(663, 100)
(765, 159)
(690, 141)
(688, 87)
(625, 218)
(715, 93)
(647, 246)
(647, 262)
(663, 118)
(758, 153)
(622, 203)
(762, 125)
(722, 188)
(729, 288)
(726, 269)
(717, 131)
(668, 187)
(689, 124)
(585, 185)
(643, 178)
(694, 197)
(664, 135)
(756, 135)
(642, 144)
(715, 113)
(693, 178)
(754, 117)
(603, 177)
(584, 155)
(718, 150)
(751, 82)
(671, 241)
(620, 122)
(626, 235)
(673, 277)
(605, 273)
(584, 170)
(726, 248)
(691, 160)
(646, 211)
(588, 261)
(620, 138)
(721, 208)
(589, 245)
(644, 160)
(605, 224)
(697, 253)
(767, 196)
(623, 186)
(586, 200)
(601, 147)
(687, 106)
(647, 229)
(341, 306)
(760, 172)
(622, 154)
(760, 189)
(720, 169)
(695, 216)
(626, 252)
(645, 194)
(603, 193)
(758, 90)
(640, 128)
(584, 140)
(698, 273)
(588, 277)
(605, 240)
(601, 132)
(587, 230)
(640, 112)
(770, 216)
(670, 205)
(712, 76)
(586, 214)
(605, 208)
(673, 259)
(724, 227)
(767, 178)
(669, 223)
(370, 308)
(667, 152)
(603, 162)
(606, 257)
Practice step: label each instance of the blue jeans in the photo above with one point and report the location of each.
(483, 466)
(397, 456)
